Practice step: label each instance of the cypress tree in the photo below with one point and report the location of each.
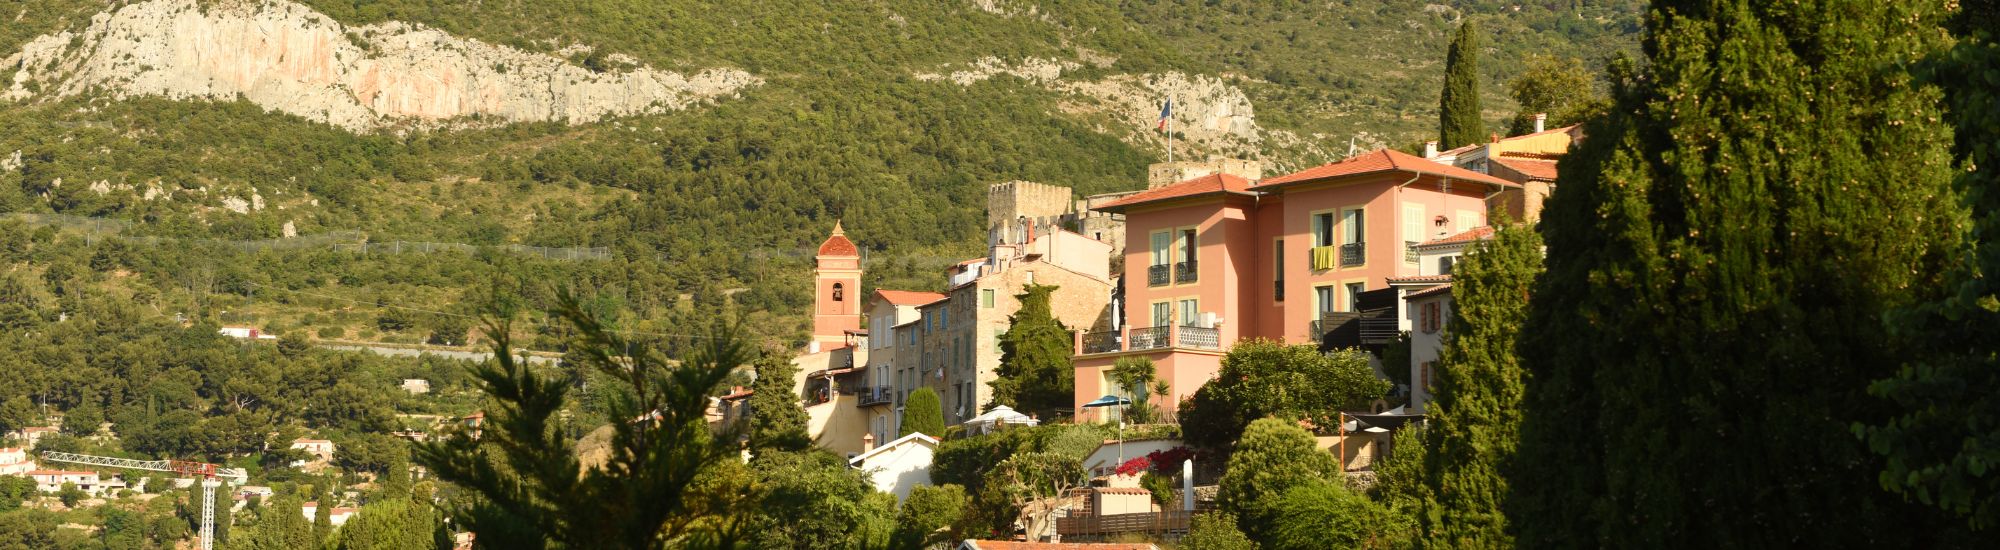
(1721, 250)
(922, 413)
(322, 527)
(1458, 104)
(1942, 445)
(777, 421)
(1035, 372)
(1474, 416)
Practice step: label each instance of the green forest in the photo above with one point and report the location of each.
(733, 195)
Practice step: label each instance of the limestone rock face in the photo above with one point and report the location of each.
(287, 57)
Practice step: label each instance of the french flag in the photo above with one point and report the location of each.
(1165, 111)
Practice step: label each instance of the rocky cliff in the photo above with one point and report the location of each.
(289, 58)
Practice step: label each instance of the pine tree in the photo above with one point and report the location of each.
(1474, 414)
(1943, 445)
(777, 421)
(280, 526)
(1721, 250)
(322, 526)
(1035, 372)
(1458, 105)
(922, 413)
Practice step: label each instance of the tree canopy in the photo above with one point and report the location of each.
(1459, 121)
(1035, 372)
(1275, 456)
(777, 421)
(1721, 254)
(922, 413)
(1262, 378)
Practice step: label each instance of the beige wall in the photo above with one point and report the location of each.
(837, 425)
(1080, 303)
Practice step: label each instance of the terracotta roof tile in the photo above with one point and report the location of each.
(1213, 184)
(838, 245)
(1475, 234)
(1381, 160)
(908, 297)
(1421, 279)
(1433, 291)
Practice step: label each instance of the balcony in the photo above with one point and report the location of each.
(1149, 338)
(1379, 328)
(1325, 257)
(1100, 342)
(1199, 337)
(1187, 272)
(1410, 252)
(1158, 275)
(1353, 254)
(874, 395)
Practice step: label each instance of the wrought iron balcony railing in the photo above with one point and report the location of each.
(874, 395)
(1353, 254)
(1100, 342)
(1187, 272)
(1158, 275)
(1149, 338)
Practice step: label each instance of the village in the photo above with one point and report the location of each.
(1355, 254)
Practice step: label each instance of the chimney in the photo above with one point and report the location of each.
(1493, 138)
(1431, 149)
(1540, 119)
(867, 442)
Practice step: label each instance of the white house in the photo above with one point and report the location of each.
(247, 333)
(1105, 460)
(338, 516)
(320, 449)
(1427, 305)
(416, 385)
(14, 461)
(899, 465)
(50, 481)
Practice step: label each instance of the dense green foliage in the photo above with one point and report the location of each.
(777, 421)
(1274, 457)
(1945, 441)
(1263, 378)
(1325, 514)
(1036, 376)
(1215, 531)
(1561, 88)
(1729, 238)
(526, 473)
(928, 514)
(922, 413)
(1459, 118)
(812, 500)
(279, 526)
(392, 524)
(1475, 407)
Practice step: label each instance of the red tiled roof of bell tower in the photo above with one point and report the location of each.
(838, 245)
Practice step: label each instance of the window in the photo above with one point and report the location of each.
(1424, 377)
(1187, 246)
(1190, 312)
(1445, 263)
(1467, 219)
(1322, 229)
(1324, 299)
(1162, 243)
(944, 319)
(1428, 317)
(1413, 223)
(1163, 313)
(1278, 271)
(1354, 226)
(986, 298)
(1354, 291)
(836, 292)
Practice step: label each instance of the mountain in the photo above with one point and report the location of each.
(710, 142)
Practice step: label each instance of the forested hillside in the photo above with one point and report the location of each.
(848, 122)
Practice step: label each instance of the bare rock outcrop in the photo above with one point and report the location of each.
(289, 58)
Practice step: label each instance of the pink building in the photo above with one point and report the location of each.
(1219, 258)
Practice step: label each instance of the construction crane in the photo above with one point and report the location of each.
(207, 472)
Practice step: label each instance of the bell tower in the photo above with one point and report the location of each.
(837, 284)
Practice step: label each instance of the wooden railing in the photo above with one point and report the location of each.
(1174, 521)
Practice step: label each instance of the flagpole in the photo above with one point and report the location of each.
(1170, 137)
